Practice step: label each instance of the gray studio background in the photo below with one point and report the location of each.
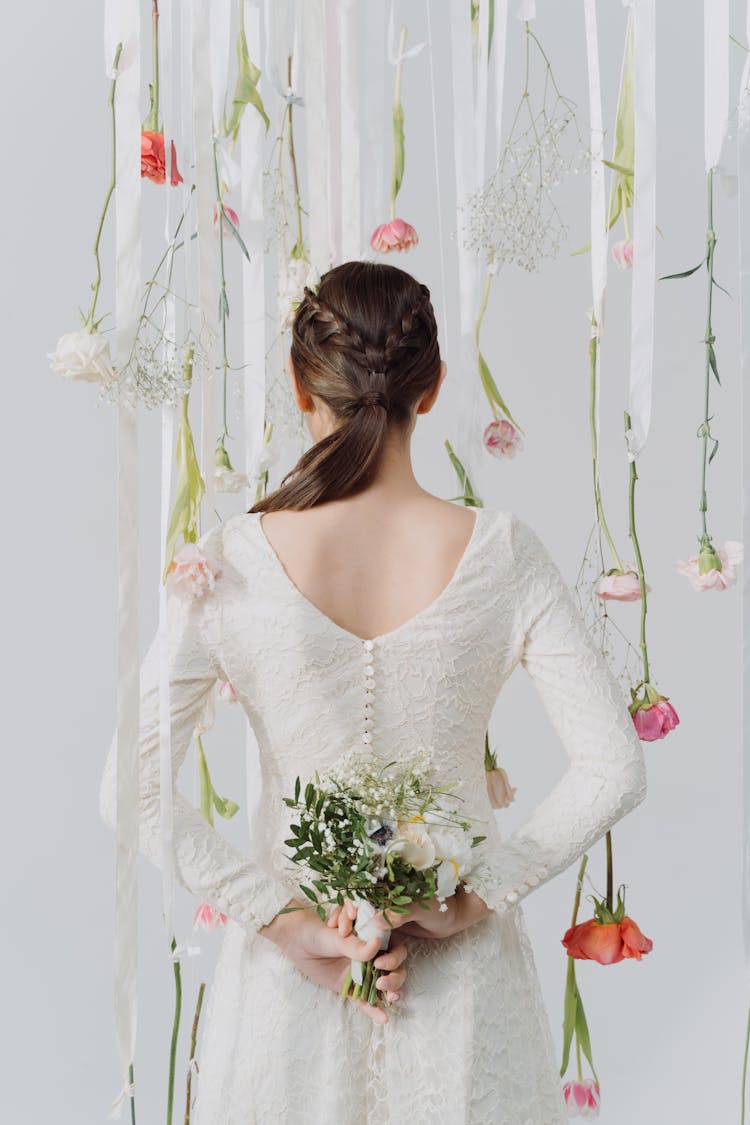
(668, 1032)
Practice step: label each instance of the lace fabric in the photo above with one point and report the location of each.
(469, 1043)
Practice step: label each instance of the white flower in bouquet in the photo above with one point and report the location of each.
(84, 356)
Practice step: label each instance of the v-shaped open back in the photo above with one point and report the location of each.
(411, 621)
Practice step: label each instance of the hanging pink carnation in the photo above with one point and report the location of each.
(620, 585)
(395, 235)
(502, 439)
(582, 1098)
(192, 573)
(713, 570)
(227, 694)
(622, 253)
(208, 918)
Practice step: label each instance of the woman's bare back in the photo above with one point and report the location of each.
(369, 563)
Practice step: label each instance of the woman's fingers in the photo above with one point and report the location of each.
(352, 946)
(376, 1014)
(392, 957)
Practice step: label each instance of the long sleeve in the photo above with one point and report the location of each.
(606, 774)
(205, 863)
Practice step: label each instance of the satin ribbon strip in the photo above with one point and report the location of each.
(743, 215)
(171, 131)
(598, 229)
(331, 54)
(644, 227)
(350, 83)
(122, 24)
(318, 138)
(205, 199)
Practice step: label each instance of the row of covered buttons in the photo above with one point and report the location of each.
(369, 697)
(512, 897)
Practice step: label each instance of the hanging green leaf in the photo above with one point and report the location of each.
(190, 485)
(712, 361)
(492, 392)
(398, 149)
(569, 1014)
(468, 495)
(246, 89)
(685, 273)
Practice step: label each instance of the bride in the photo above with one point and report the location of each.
(351, 607)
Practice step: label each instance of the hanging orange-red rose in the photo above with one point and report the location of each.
(609, 937)
(153, 165)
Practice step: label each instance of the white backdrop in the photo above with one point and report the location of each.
(667, 1033)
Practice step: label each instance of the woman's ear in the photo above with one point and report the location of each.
(427, 401)
(302, 398)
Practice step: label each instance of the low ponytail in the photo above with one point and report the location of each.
(366, 345)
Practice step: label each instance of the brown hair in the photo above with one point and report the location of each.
(366, 345)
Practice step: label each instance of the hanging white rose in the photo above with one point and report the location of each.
(83, 356)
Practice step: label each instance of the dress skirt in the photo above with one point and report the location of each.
(468, 1043)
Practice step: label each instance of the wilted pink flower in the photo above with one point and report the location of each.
(192, 573)
(500, 790)
(582, 1098)
(655, 720)
(395, 235)
(502, 439)
(227, 694)
(703, 573)
(208, 918)
(621, 585)
(226, 212)
(622, 253)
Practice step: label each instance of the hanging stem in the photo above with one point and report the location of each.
(297, 252)
(193, 1041)
(744, 1070)
(223, 301)
(639, 560)
(610, 880)
(175, 1033)
(593, 357)
(396, 105)
(709, 341)
(89, 322)
(131, 1079)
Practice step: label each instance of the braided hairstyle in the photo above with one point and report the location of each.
(365, 345)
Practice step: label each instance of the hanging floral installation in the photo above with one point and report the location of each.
(512, 219)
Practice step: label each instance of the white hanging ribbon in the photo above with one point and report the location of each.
(205, 199)
(127, 1092)
(497, 67)
(527, 10)
(122, 25)
(644, 227)
(318, 134)
(333, 118)
(252, 134)
(598, 197)
(374, 139)
(171, 132)
(350, 148)
(743, 214)
(289, 92)
(715, 78)
(438, 180)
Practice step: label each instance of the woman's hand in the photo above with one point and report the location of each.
(464, 909)
(323, 952)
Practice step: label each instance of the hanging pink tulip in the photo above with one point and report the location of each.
(622, 253)
(395, 235)
(502, 439)
(208, 918)
(582, 1098)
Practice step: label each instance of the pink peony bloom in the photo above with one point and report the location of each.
(703, 573)
(499, 789)
(502, 439)
(621, 586)
(582, 1098)
(395, 235)
(192, 573)
(232, 215)
(227, 694)
(655, 721)
(622, 253)
(208, 918)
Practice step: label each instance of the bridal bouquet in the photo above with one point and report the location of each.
(384, 835)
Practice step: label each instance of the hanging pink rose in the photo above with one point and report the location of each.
(656, 720)
(620, 586)
(502, 439)
(208, 918)
(499, 788)
(582, 1098)
(713, 569)
(622, 253)
(227, 694)
(395, 235)
(192, 573)
(226, 212)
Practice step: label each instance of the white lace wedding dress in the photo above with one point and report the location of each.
(470, 1042)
